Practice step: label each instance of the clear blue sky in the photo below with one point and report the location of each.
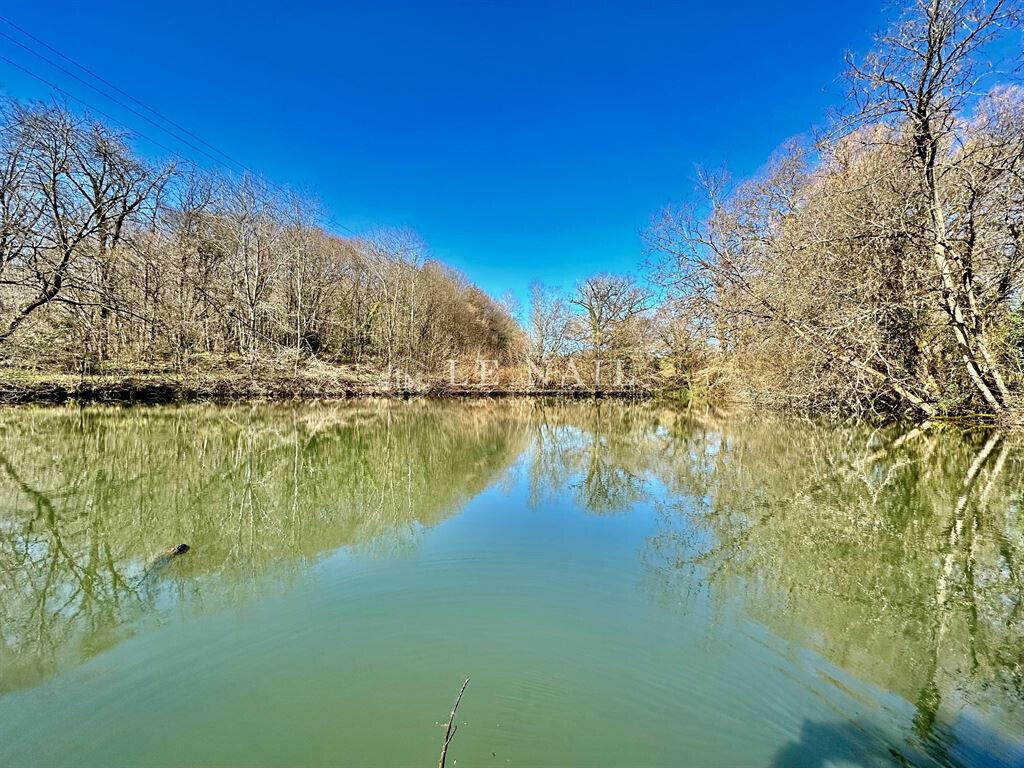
(522, 140)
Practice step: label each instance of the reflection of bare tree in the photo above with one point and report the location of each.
(897, 555)
(87, 498)
(957, 587)
(49, 591)
(593, 449)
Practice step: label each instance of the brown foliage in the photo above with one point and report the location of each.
(881, 269)
(110, 263)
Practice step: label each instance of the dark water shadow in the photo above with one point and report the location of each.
(822, 744)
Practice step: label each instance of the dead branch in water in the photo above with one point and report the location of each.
(450, 728)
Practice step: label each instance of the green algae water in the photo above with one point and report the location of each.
(624, 584)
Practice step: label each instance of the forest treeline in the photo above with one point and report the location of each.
(875, 269)
(111, 262)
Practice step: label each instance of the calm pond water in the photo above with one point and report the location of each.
(625, 585)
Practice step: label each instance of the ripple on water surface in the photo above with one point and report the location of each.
(625, 584)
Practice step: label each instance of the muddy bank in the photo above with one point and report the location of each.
(169, 389)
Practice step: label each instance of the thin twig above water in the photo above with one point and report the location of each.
(450, 727)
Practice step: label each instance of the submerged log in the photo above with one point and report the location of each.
(161, 561)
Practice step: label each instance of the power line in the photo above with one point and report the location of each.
(124, 93)
(121, 104)
(329, 219)
(110, 117)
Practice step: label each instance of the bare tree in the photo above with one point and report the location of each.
(877, 270)
(69, 189)
(613, 307)
(550, 324)
(924, 71)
